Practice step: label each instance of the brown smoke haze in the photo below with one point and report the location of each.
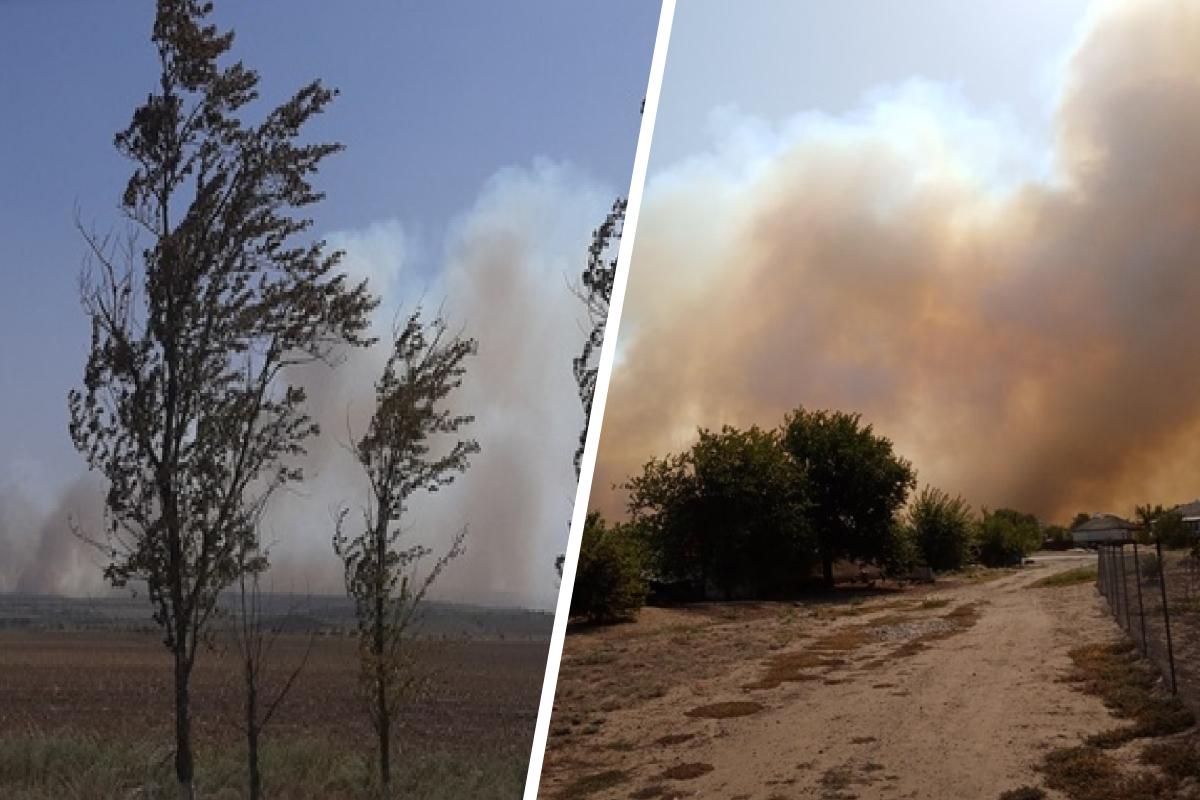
(1027, 340)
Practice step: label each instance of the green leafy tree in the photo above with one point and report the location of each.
(1163, 525)
(1006, 536)
(609, 582)
(750, 512)
(199, 320)
(663, 501)
(727, 513)
(396, 454)
(942, 529)
(855, 484)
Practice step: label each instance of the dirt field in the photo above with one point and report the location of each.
(483, 694)
(954, 691)
(112, 692)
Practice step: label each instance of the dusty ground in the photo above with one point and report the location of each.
(929, 693)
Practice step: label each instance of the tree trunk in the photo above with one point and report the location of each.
(252, 739)
(385, 751)
(381, 669)
(184, 766)
(827, 567)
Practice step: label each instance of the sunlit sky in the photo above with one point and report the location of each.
(785, 57)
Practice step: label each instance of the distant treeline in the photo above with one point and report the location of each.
(765, 513)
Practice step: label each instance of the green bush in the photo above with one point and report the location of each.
(725, 515)
(941, 529)
(609, 585)
(1005, 537)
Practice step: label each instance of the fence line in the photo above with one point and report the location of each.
(1160, 611)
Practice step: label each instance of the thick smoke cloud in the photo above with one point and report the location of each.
(504, 278)
(40, 552)
(1024, 328)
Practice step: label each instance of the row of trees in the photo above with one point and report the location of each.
(760, 512)
(202, 319)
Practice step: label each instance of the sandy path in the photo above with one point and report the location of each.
(965, 717)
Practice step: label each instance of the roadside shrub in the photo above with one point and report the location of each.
(1006, 536)
(609, 585)
(1056, 537)
(1148, 564)
(940, 529)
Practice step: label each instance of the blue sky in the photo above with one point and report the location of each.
(436, 97)
(483, 142)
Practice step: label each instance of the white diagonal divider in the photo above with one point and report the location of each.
(604, 370)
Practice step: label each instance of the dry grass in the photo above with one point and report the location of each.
(674, 738)
(55, 767)
(594, 782)
(791, 667)
(736, 708)
(1071, 577)
(1024, 793)
(1129, 688)
(686, 772)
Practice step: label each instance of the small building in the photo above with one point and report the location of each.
(1191, 516)
(1103, 529)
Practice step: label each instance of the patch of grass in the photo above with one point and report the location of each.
(1071, 577)
(1177, 758)
(1079, 771)
(686, 772)
(674, 738)
(1024, 793)
(791, 667)
(934, 602)
(45, 766)
(594, 782)
(726, 710)
(1129, 688)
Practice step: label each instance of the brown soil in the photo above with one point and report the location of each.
(482, 696)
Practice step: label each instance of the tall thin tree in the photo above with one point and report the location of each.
(198, 320)
(254, 639)
(595, 290)
(397, 455)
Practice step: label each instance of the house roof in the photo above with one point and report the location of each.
(1104, 523)
(1189, 510)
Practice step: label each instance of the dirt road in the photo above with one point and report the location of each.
(954, 693)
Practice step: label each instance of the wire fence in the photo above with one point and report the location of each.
(1154, 594)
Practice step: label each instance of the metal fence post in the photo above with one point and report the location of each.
(1162, 585)
(1137, 576)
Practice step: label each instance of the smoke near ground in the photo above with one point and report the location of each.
(505, 278)
(1022, 324)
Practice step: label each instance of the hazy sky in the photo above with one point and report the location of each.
(978, 227)
(444, 108)
(776, 58)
